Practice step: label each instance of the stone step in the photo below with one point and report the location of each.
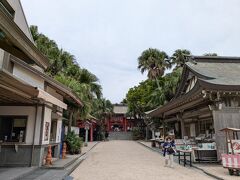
(120, 136)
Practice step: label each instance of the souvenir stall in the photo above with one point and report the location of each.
(206, 100)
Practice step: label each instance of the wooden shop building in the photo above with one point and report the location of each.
(206, 101)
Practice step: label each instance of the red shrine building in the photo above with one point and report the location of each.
(92, 126)
(119, 120)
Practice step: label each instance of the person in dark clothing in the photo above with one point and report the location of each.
(168, 151)
(106, 135)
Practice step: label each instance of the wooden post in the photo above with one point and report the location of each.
(231, 142)
(236, 135)
(86, 137)
(182, 128)
(125, 124)
(179, 117)
(164, 129)
(146, 133)
(91, 133)
(109, 124)
(153, 134)
(226, 134)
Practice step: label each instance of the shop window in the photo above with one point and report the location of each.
(206, 127)
(13, 128)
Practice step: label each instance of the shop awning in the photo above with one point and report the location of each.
(14, 90)
(66, 92)
(51, 99)
(230, 129)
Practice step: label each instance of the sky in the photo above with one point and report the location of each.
(107, 36)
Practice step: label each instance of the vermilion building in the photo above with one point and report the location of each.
(119, 121)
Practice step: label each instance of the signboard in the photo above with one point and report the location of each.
(75, 129)
(46, 132)
(235, 145)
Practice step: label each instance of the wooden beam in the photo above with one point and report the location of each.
(195, 113)
(15, 51)
(171, 119)
(185, 106)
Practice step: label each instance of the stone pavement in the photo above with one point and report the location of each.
(14, 172)
(216, 170)
(62, 169)
(128, 160)
(213, 169)
(120, 135)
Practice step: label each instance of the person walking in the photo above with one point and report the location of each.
(168, 151)
(106, 135)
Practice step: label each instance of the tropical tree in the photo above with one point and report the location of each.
(102, 110)
(179, 57)
(147, 95)
(139, 98)
(156, 98)
(171, 81)
(155, 62)
(90, 79)
(65, 69)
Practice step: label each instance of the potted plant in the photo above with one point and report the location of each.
(74, 143)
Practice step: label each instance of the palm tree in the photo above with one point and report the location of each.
(90, 79)
(34, 32)
(64, 68)
(179, 57)
(155, 62)
(171, 81)
(157, 97)
(102, 108)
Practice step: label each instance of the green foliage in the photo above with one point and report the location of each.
(149, 94)
(159, 88)
(179, 57)
(137, 133)
(102, 108)
(138, 98)
(74, 143)
(171, 81)
(65, 69)
(154, 61)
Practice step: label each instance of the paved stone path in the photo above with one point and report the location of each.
(128, 160)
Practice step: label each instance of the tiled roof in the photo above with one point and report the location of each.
(219, 71)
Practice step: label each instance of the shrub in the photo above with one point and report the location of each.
(74, 143)
(137, 134)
